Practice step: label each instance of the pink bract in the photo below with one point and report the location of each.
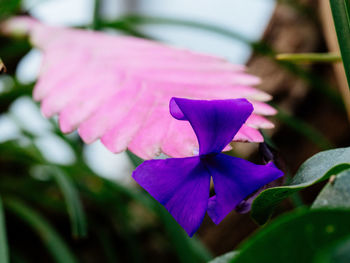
(118, 88)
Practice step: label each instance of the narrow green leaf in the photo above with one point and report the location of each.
(340, 11)
(225, 258)
(106, 242)
(336, 193)
(310, 57)
(97, 14)
(139, 19)
(71, 196)
(135, 160)
(4, 256)
(318, 168)
(295, 237)
(303, 128)
(51, 239)
(188, 249)
(74, 206)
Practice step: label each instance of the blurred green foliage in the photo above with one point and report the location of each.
(108, 221)
(115, 218)
(296, 237)
(70, 214)
(336, 252)
(8, 8)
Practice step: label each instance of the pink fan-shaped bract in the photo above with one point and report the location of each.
(117, 88)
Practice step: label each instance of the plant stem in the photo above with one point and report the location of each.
(310, 57)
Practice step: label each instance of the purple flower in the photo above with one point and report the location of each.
(182, 184)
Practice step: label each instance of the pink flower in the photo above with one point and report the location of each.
(117, 88)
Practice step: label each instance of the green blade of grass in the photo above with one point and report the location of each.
(104, 237)
(4, 256)
(310, 57)
(188, 249)
(135, 160)
(340, 11)
(139, 19)
(74, 206)
(303, 128)
(51, 239)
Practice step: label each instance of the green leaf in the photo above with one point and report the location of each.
(316, 169)
(295, 237)
(335, 253)
(310, 57)
(225, 257)
(4, 257)
(340, 10)
(135, 160)
(71, 196)
(51, 239)
(96, 15)
(8, 8)
(74, 206)
(188, 249)
(104, 236)
(140, 19)
(336, 194)
(303, 128)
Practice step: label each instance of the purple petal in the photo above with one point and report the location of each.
(245, 205)
(266, 152)
(215, 122)
(181, 185)
(234, 180)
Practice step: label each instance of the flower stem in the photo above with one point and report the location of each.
(310, 57)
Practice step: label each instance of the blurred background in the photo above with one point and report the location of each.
(69, 202)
